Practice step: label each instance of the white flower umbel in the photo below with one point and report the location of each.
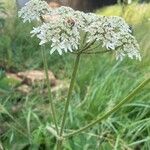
(63, 27)
(115, 35)
(64, 35)
(33, 10)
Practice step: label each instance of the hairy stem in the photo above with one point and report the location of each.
(106, 115)
(59, 143)
(49, 88)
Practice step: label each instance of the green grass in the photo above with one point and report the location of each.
(134, 13)
(101, 83)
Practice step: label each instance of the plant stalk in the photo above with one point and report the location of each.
(49, 89)
(106, 115)
(59, 143)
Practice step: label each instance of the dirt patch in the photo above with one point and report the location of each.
(29, 79)
(36, 76)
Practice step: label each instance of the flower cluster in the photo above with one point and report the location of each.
(114, 34)
(33, 10)
(63, 27)
(63, 38)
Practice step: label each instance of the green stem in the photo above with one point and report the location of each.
(88, 46)
(96, 52)
(49, 88)
(98, 120)
(70, 92)
(68, 98)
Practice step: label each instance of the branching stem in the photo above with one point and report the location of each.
(106, 115)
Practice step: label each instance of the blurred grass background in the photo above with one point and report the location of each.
(101, 83)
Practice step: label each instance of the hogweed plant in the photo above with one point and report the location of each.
(77, 32)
